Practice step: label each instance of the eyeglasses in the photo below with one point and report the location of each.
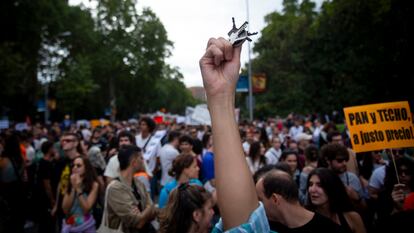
(67, 140)
(341, 160)
(77, 165)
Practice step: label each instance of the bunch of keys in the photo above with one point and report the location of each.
(239, 35)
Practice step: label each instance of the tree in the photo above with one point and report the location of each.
(349, 53)
(281, 56)
(113, 57)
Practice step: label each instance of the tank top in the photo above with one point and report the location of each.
(344, 224)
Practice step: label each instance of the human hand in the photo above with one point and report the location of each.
(135, 210)
(353, 195)
(220, 67)
(398, 194)
(76, 182)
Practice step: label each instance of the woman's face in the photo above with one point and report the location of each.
(292, 161)
(204, 216)
(316, 193)
(78, 167)
(192, 171)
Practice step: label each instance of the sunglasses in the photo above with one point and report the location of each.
(67, 140)
(77, 165)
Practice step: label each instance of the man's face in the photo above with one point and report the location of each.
(143, 126)
(193, 133)
(138, 162)
(276, 143)
(338, 165)
(124, 141)
(68, 143)
(186, 147)
(337, 139)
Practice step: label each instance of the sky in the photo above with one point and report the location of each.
(190, 23)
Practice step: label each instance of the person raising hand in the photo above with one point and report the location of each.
(237, 198)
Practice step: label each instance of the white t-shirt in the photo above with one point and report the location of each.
(141, 141)
(151, 148)
(272, 156)
(295, 131)
(112, 169)
(167, 155)
(377, 178)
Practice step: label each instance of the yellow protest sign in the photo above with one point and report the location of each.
(98, 122)
(380, 126)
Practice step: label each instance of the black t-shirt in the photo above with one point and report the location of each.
(317, 224)
(44, 172)
(197, 146)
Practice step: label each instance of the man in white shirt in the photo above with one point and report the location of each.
(273, 154)
(296, 129)
(112, 169)
(149, 144)
(167, 155)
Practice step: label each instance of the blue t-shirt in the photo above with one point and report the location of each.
(165, 192)
(257, 223)
(208, 166)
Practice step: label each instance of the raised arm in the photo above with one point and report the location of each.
(236, 193)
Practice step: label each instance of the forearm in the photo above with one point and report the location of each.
(87, 203)
(144, 217)
(83, 202)
(235, 189)
(373, 193)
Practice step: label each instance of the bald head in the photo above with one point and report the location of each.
(280, 182)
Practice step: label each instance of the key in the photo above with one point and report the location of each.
(237, 36)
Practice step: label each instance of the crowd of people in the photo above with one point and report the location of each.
(280, 175)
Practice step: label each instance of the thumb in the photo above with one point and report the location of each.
(236, 53)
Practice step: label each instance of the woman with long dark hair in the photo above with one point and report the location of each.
(80, 197)
(327, 196)
(256, 159)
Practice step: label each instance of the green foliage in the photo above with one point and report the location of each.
(114, 58)
(350, 52)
